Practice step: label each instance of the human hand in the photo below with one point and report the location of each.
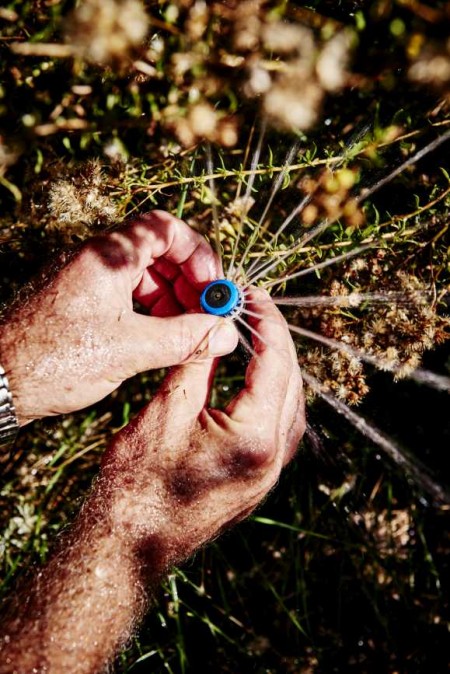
(77, 337)
(172, 480)
(181, 471)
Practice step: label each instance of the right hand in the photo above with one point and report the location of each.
(180, 471)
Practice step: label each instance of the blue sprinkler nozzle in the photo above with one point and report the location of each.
(221, 298)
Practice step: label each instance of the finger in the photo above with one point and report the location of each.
(297, 429)
(166, 279)
(161, 235)
(292, 422)
(156, 294)
(267, 376)
(166, 306)
(167, 269)
(154, 342)
(186, 294)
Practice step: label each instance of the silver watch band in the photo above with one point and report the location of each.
(8, 419)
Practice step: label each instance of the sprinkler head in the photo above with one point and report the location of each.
(221, 298)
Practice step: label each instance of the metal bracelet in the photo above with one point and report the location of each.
(8, 420)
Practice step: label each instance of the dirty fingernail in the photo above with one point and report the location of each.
(222, 339)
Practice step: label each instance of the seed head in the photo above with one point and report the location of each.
(105, 31)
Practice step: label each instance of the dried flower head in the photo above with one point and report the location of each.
(432, 66)
(247, 25)
(105, 31)
(332, 198)
(333, 60)
(289, 38)
(81, 203)
(293, 86)
(197, 20)
(395, 332)
(202, 122)
(282, 63)
(287, 109)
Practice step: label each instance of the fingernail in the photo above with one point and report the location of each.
(222, 339)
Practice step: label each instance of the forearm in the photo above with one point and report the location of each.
(76, 613)
(79, 610)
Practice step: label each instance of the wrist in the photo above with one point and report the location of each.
(144, 525)
(134, 522)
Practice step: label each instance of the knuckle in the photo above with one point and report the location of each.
(113, 251)
(192, 337)
(251, 457)
(89, 262)
(185, 341)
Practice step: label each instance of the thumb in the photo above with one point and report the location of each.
(186, 391)
(162, 342)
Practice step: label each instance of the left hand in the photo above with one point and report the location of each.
(76, 338)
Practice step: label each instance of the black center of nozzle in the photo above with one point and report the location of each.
(218, 295)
